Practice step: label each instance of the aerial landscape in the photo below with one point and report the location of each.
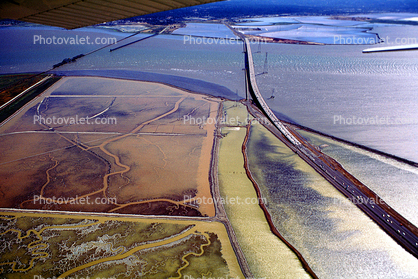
(234, 139)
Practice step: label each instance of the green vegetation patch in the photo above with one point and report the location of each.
(11, 88)
(105, 247)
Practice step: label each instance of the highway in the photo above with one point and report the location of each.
(396, 226)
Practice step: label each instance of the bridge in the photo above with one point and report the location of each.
(395, 225)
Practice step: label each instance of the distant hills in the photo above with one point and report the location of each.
(245, 8)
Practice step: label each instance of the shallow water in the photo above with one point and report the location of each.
(266, 254)
(395, 182)
(337, 89)
(334, 236)
(205, 30)
(322, 87)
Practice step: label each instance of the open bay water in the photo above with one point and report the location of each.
(340, 91)
(326, 88)
(312, 83)
(22, 50)
(218, 62)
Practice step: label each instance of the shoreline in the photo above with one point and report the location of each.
(273, 229)
(370, 210)
(194, 88)
(366, 148)
(184, 83)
